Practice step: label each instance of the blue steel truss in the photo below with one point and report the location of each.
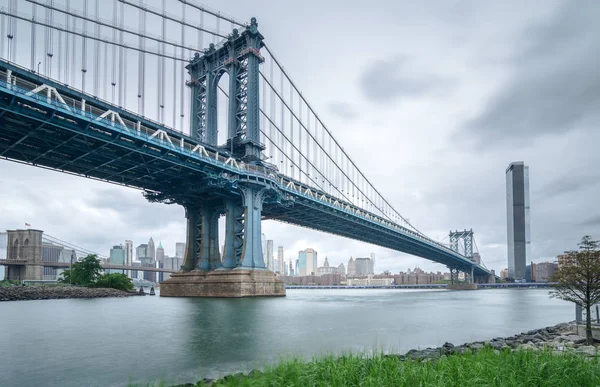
(39, 129)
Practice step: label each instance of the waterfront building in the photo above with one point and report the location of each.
(370, 280)
(503, 274)
(151, 251)
(351, 267)
(326, 269)
(291, 270)
(562, 259)
(117, 257)
(517, 214)
(363, 266)
(544, 271)
(269, 262)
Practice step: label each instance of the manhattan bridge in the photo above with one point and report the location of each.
(192, 107)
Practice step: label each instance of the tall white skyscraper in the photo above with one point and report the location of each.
(128, 252)
(179, 249)
(151, 250)
(269, 262)
(373, 262)
(283, 267)
(517, 215)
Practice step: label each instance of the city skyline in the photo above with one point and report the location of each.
(482, 119)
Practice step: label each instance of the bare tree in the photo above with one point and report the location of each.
(578, 279)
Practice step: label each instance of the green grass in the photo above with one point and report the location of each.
(485, 368)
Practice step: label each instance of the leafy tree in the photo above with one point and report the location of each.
(114, 281)
(578, 279)
(84, 272)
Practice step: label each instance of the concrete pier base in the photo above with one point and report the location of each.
(223, 284)
(462, 287)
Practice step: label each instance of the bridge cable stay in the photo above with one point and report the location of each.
(56, 241)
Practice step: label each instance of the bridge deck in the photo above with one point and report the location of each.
(46, 132)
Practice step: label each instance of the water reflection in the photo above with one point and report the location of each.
(108, 342)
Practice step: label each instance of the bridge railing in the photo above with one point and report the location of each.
(131, 124)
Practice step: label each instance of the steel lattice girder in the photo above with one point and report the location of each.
(121, 157)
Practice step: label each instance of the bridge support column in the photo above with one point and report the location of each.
(210, 259)
(243, 272)
(193, 238)
(252, 253)
(234, 233)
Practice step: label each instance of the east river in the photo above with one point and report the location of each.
(116, 341)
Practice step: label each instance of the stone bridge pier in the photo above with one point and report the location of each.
(241, 271)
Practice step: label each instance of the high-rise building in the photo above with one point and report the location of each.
(263, 245)
(270, 264)
(151, 251)
(351, 267)
(307, 262)
(363, 266)
(160, 253)
(128, 256)
(280, 258)
(477, 258)
(342, 269)
(117, 257)
(373, 262)
(141, 251)
(517, 213)
(179, 250)
(301, 263)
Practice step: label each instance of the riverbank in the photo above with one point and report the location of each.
(23, 293)
(553, 355)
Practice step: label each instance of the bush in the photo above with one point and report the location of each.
(114, 281)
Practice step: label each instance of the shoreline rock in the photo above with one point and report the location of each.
(28, 293)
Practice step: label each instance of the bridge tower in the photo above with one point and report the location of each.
(241, 272)
(24, 246)
(462, 239)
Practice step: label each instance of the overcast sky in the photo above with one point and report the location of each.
(431, 99)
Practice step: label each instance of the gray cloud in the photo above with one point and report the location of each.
(569, 183)
(593, 221)
(343, 110)
(555, 87)
(388, 79)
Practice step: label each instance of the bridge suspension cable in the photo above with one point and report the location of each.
(296, 138)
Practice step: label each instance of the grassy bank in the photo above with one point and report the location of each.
(484, 368)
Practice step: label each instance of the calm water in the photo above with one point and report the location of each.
(111, 342)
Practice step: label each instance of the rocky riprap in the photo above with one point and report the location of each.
(20, 293)
(558, 338)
